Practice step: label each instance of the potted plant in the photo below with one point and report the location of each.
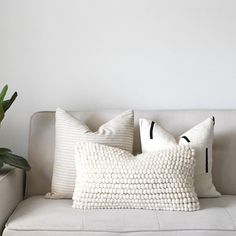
(6, 155)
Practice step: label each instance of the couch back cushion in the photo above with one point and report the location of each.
(42, 132)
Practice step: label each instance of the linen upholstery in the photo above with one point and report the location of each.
(11, 192)
(42, 131)
(40, 216)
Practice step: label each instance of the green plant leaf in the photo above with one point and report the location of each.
(14, 160)
(3, 93)
(4, 150)
(1, 113)
(1, 163)
(6, 104)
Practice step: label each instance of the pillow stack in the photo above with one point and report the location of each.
(99, 170)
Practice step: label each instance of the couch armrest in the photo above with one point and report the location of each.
(11, 192)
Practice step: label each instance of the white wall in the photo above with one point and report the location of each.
(86, 54)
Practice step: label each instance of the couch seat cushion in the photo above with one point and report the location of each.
(37, 215)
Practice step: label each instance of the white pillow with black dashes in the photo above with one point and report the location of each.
(200, 137)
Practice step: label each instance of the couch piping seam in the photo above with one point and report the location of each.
(158, 222)
(230, 216)
(132, 231)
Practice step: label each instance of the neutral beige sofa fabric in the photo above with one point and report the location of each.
(39, 216)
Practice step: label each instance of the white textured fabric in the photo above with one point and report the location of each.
(117, 132)
(200, 137)
(109, 177)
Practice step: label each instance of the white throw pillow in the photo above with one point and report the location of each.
(109, 177)
(200, 137)
(117, 132)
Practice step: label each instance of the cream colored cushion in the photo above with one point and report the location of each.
(200, 137)
(117, 132)
(38, 216)
(109, 177)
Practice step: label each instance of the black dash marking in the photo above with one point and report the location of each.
(186, 138)
(213, 118)
(151, 129)
(206, 160)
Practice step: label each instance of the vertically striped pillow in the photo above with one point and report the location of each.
(117, 132)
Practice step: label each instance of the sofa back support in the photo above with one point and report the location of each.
(42, 142)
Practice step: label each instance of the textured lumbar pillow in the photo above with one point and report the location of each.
(200, 137)
(117, 132)
(109, 177)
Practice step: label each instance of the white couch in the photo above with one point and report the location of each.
(39, 216)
